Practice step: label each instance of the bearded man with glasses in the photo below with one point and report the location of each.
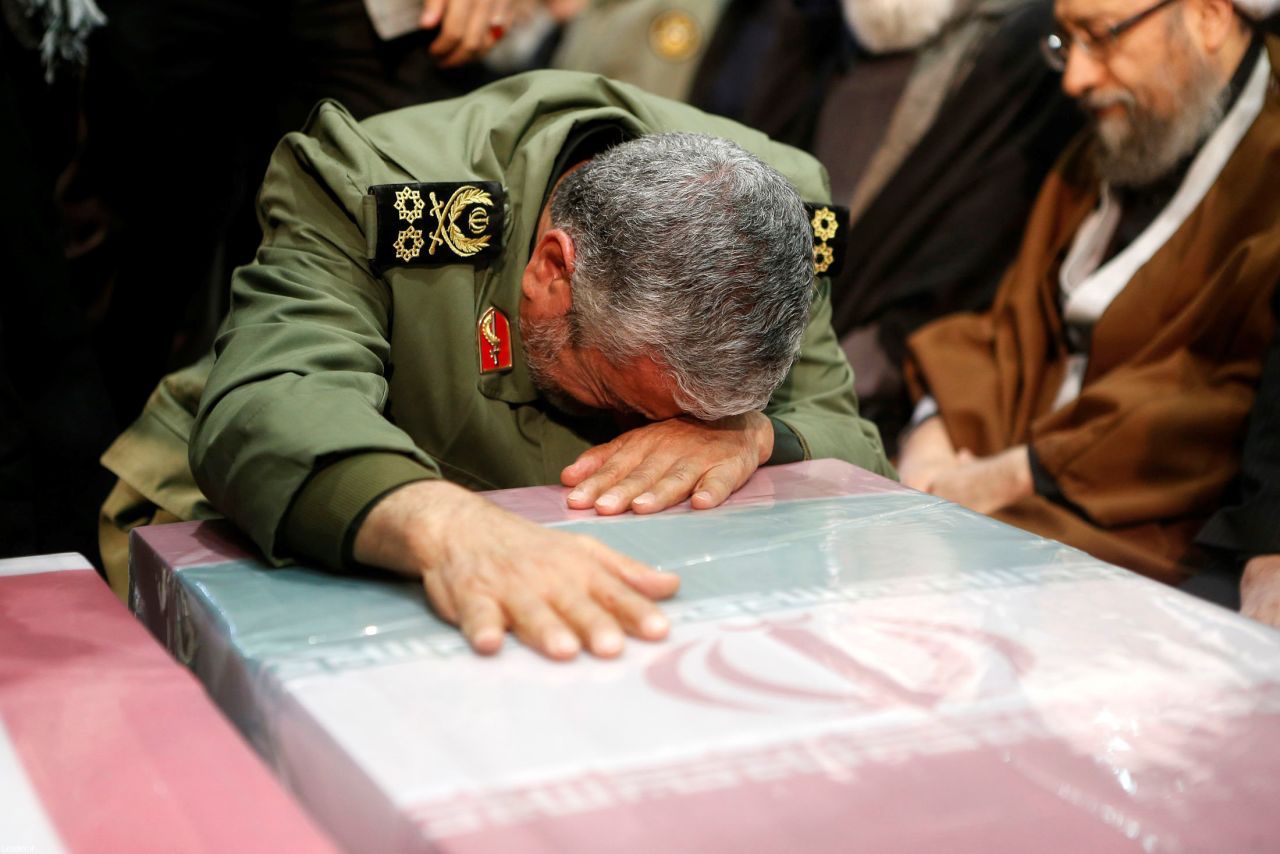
(1102, 400)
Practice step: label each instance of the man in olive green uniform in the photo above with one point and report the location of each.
(425, 314)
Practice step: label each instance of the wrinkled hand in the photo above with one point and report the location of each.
(486, 570)
(926, 454)
(658, 465)
(464, 28)
(986, 484)
(1260, 590)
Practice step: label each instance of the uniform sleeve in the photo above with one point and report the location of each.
(327, 513)
(816, 402)
(300, 377)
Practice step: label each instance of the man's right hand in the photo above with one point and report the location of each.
(926, 454)
(486, 570)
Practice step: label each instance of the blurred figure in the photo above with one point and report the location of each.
(185, 102)
(938, 146)
(709, 53)
(654, 44)
(532, 39)
(1101, 400)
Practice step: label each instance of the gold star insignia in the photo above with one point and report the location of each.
(408, 244)
(409, 204)
(823, 257)
(824, 224)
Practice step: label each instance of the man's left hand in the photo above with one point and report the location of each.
(659, 465)
(1260, 590)
(986, 484)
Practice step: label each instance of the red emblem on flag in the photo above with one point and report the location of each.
(494, 338)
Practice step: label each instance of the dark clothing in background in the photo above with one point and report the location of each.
(1249, 524)
(867, 101)
(731, 68)
(55, 418)
(939, 236)
(811, 46)
(185, 102)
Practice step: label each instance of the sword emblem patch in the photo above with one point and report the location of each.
(493, 335)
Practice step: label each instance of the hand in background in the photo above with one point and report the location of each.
(468, 28)
(986, 484)
(926, 453)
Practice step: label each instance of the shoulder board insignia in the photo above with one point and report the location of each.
(429, 225)
(830, 225)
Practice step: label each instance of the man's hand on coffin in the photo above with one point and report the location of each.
(488, 571)
(661, 464)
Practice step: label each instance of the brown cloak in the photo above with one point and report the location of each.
(1147, 449)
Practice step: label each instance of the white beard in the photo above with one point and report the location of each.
(886, 26)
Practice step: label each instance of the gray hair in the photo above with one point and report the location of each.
(694, 253)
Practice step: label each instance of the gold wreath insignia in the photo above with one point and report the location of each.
(824, 224)
(446, 214)
(823, 257)
(408, 244)
(410, 204)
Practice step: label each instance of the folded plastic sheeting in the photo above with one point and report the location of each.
(852, 666)
(107, 745)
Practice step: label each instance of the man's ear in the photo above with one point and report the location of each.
(1216, 21)
(549, 272)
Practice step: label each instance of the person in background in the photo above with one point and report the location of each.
(185, 100)
(657, 45)
(972, 121)
(1101, 400)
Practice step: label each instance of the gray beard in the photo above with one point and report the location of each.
(1148, 147)
(543, 343)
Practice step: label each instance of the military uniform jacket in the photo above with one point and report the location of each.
(331, 353)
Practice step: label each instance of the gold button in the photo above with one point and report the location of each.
(675, 35)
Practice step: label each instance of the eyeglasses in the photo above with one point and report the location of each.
(1056, 47)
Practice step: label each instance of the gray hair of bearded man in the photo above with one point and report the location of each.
(695, 253)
